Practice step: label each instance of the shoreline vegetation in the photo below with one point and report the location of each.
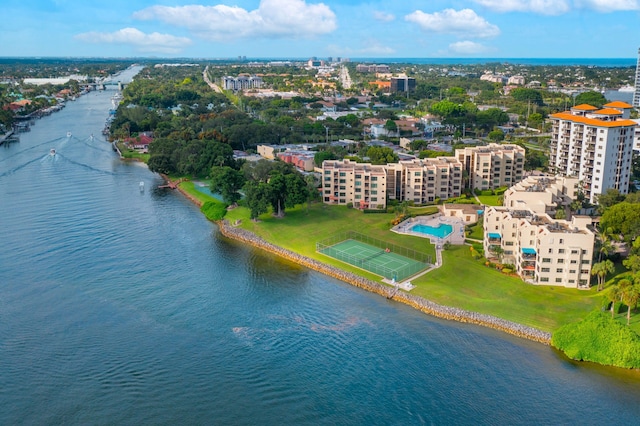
(417, 302)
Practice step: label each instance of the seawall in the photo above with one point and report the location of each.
(419, 303)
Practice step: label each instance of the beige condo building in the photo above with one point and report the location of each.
(541, 194)
(544, 251)
(492, 166)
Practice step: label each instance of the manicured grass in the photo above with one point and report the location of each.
(466, 283)
(490, 200)
(477, 231)
(423, 211)
(302, 227)
(461, 282)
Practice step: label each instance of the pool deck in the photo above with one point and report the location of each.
(457, 236)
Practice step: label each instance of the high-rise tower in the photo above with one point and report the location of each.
(636, 94)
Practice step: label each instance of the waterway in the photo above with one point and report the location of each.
(121, 306)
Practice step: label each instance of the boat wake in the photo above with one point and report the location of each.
(23, 165)
(49, 142)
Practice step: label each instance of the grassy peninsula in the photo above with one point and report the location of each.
(461, 282)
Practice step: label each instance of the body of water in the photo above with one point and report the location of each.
(121, 306)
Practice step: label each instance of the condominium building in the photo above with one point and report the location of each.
(492, 166)
(541, 194)
(423, 181)
(402, 84)
(636, 94)
(544, 251)
(595, 145)
(242, 82)
(359, 184)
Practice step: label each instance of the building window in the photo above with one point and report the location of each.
(560, 260)
(558, 280)
(561, 251)
(544, 279)
(559, 270)
(546, 260)
(545, 270)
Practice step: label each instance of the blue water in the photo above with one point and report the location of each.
(440, 231)
(126, 307)
(597, 62)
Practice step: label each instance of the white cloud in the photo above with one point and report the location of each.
(467, 48)
(272, 18)
(544, 7)
(609, 5)
(383, 16)
(154, 42)
(464, 23)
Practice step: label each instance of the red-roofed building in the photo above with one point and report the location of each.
(140, 142)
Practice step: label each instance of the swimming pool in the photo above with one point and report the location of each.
(440, 231)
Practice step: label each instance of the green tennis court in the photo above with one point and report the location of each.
(380, 261)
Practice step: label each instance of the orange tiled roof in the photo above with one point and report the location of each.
(584, 107)
(607, 111)
(618, 104)
(593, 121)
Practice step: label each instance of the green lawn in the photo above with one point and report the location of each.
(477, 231)
(466, 283)
(490, 200)
(462, 281)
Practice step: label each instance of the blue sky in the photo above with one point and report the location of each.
(305, 28)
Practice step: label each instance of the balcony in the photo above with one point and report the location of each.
(528, 253)
(494, 238)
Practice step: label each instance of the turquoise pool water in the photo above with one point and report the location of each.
(440, 231)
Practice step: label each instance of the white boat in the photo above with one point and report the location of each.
(627, 89)
(141, 186)
(52, 151)
(68, 134)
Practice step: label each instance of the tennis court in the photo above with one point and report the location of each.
(380, 261)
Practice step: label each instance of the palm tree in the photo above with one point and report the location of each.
(630, 298)
(601, 269)
(614, 294)
(606, 246)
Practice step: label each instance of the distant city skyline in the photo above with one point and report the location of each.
(329, 28)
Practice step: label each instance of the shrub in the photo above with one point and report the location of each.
(599, 338)
(214, 210)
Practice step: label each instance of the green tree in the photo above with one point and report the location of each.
(227, 182)
(391, 126)
(622, 218)
(257, 196)
(632, 263)
(595, 99)
(496, 135)
(613, 295)
(381, 155)
(601, 270)
(527, 95)
(608, 198)
(630, 297)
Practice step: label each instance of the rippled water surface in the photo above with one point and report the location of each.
(126, 307)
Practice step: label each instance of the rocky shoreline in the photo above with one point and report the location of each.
(424, 305)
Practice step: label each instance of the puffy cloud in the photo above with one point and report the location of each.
(544, 7)
(272, 18)
(154, 42)
(464, 22)
(467, 48)
(609, 5)
(383, 16)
